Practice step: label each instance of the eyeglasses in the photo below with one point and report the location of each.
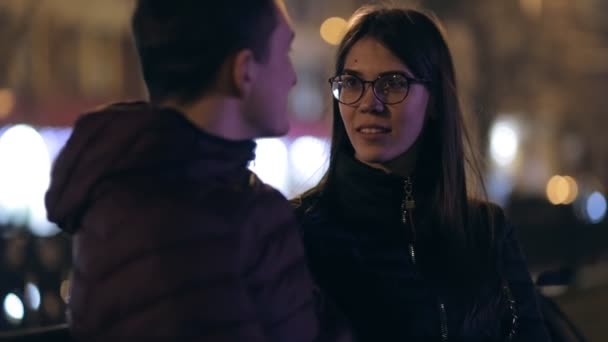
(388, 89)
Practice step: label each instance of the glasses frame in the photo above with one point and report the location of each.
(410, 80)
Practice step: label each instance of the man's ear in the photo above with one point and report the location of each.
(244, 72)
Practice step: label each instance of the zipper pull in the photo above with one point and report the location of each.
(412, 253)
(443, 317)
(408, 200)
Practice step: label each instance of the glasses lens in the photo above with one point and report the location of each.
(391, 89)
(347, 89)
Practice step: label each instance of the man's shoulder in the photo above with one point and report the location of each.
(264, 200)
(264, 192)
(306, 200)
(313, 214)
(268, 215)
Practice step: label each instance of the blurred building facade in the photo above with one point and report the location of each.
(64, 56)
(541, 62)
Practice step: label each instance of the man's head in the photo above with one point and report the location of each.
(237, 49)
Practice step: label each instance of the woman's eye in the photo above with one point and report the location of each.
(349, 82)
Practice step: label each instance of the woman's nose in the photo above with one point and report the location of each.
(369, 102)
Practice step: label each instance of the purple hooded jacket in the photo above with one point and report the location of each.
(173, 237)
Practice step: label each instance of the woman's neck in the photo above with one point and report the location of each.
(403, 165)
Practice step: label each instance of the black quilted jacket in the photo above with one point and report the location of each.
(359, 257)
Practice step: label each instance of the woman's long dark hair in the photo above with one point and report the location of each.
(455, 246)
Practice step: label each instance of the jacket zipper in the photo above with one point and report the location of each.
(513, 310)
(407, 206)
(443, 317)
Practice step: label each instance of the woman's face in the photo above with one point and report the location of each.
(381, 132)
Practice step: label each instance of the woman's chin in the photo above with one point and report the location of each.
(372, 159)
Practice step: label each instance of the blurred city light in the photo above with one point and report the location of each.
(32, 296)
(504, 142)
(55, 139)
(25, 177)
(271, 163)
(596, 207)
(7, 102)
(499, 185)
(13, 309)
(554, 290)
(333, 29)
(557, 190)
(308, 157)
(572, 190)
(64, 290)
(562, 190)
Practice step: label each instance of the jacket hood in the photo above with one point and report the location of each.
(128, 138)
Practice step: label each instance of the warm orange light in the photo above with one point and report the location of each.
(64, 290)
(557, 190)
(562, 190)
(7, 102)
(572, 190)
(332, 30)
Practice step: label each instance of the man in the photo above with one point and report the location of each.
(174, 238)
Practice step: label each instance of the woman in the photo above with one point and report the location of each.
(394, 238)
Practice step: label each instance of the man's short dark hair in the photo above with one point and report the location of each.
(183, 43)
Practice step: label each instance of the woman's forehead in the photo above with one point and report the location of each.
(368, 57)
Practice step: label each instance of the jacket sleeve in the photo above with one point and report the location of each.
(530, 325)
(280, 284)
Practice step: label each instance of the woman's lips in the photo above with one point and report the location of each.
(373, 130)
